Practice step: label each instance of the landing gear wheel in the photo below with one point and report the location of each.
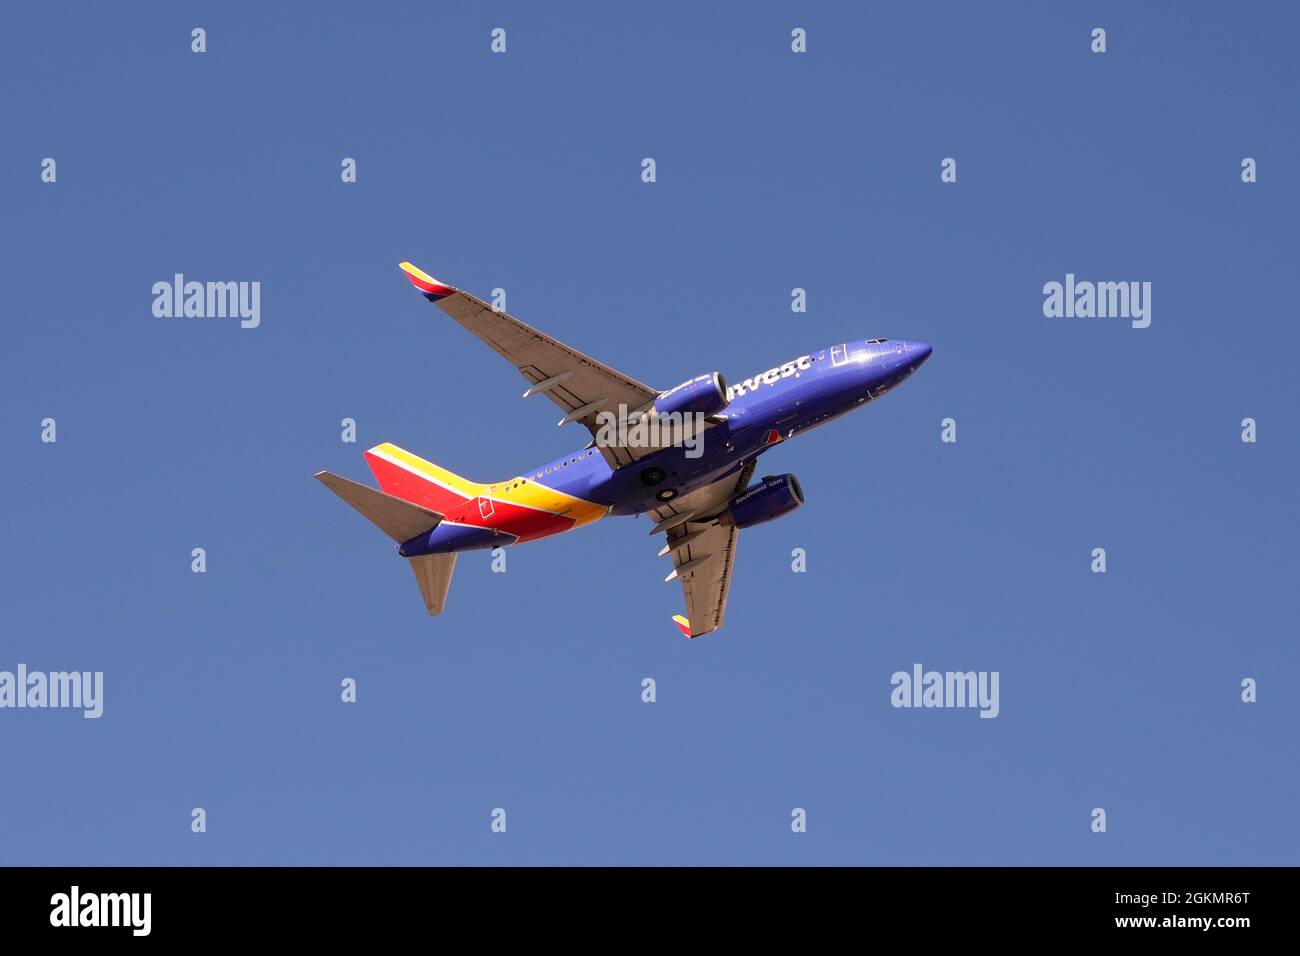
(653, 476)
(668, 494)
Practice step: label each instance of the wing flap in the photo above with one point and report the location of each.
(703, 547)
(704, 568)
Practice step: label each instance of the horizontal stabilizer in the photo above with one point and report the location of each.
(398, 519)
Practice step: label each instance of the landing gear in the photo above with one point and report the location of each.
(653, 476)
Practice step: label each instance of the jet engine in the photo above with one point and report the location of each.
(766, 501)
(703, 395)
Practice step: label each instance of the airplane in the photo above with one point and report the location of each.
(686, 456)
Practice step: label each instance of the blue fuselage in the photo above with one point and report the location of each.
(772, 406)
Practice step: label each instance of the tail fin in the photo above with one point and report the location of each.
(413, 479)
(400, 520)
(433, 573)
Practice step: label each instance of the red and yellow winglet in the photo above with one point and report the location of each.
(432, 289)
(685, 626)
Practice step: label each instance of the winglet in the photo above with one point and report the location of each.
(681, 621)
(432, 289)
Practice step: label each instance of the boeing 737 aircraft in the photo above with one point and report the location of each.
(686, 456)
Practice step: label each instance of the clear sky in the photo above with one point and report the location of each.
(775, 170)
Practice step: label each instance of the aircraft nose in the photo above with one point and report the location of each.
(916, 353)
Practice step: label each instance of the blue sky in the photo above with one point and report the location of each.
(775, 170)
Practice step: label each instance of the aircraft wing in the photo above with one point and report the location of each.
(581, 386)
(703, 550)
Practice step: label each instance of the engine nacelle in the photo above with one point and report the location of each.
(703, 395)
(766, 501)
